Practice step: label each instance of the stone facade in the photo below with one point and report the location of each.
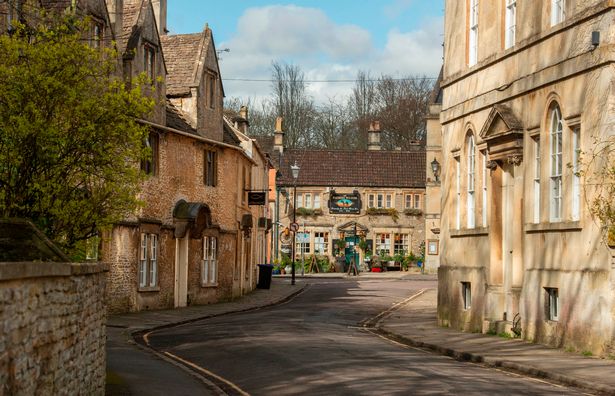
(52, 337)
(389, 192)
(521, 251)
(195, 240)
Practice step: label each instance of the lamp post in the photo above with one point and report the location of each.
(435, 168)
(295, 172)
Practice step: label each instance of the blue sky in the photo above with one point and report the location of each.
(328, 39)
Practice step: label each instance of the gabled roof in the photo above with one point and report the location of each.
(185, 56)
(436, 94)
(503, 112)
(266, 143)
(182, 53)
(344, 168)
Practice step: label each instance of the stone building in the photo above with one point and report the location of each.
(195, 239)
(374, 195)
(433, 192)
(527, 87)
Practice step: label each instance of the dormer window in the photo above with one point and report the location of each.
(149, 61)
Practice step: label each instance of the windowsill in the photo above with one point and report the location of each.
(470, 232)
(209, 285)
(149, 289)
(561, 226)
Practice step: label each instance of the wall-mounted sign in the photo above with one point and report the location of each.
(257, 198)
(345, 203)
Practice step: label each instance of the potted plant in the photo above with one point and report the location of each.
(376, 264)
(399, 260)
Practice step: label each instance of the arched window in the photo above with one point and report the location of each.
(471, 194)
(555, 145)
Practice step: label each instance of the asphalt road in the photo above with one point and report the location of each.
(313, 345)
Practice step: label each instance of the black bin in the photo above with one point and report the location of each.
(264, 276)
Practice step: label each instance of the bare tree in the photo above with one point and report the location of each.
(333, 126)
(291, 101)
(363, 105)
(402, 105)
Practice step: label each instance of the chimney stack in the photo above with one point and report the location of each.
(373, 136)
(160, 11)
(278, 139)
(241, 121)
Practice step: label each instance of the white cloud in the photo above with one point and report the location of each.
(397, 7)
(324, 50)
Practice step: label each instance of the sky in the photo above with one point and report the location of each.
(330, 40)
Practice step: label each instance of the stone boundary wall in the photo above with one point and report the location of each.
(52, 328)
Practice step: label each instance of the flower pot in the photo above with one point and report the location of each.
(376, 269)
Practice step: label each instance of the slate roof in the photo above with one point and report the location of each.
(265, 142)
(177, 120)
(182, 53)
(436, 94)
(344, 168)
(229, 136)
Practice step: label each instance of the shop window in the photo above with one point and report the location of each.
(321, 243)
(401, 244)
(383, 244)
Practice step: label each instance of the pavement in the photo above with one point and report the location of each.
(133, 369)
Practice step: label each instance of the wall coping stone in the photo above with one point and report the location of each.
(21, 270)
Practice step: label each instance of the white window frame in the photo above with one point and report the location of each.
(511, 23)
(209, 263)
(417, 201)
(401, 244)
(316, 201)
(408, 201)
(473, 34)
(466, 295)
(552, 308)
(308, 200)
(300, 201)
(383, 242)
(576, 177)
(458, 193)
(555, 144)
(484, 186)
(471, 186)
(536, 180)
(303, 247)
(371, 200)
(321, 243)
(148, 260)
(558, 11)
(388, 201)
(380, 200)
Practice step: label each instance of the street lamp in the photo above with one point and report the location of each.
(295, 172)
(435, 168)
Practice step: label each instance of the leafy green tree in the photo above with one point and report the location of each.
(70, 143)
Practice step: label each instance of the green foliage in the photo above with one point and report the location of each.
(587, 353)
(70, 144)
(305, 212)
(413, 212)
(506, 335)
(383, 212)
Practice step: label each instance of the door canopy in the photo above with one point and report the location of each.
(503, 133)
(350, 227)
(191, 216)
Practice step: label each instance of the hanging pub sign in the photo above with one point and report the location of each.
(257, 198)
(345, 203)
